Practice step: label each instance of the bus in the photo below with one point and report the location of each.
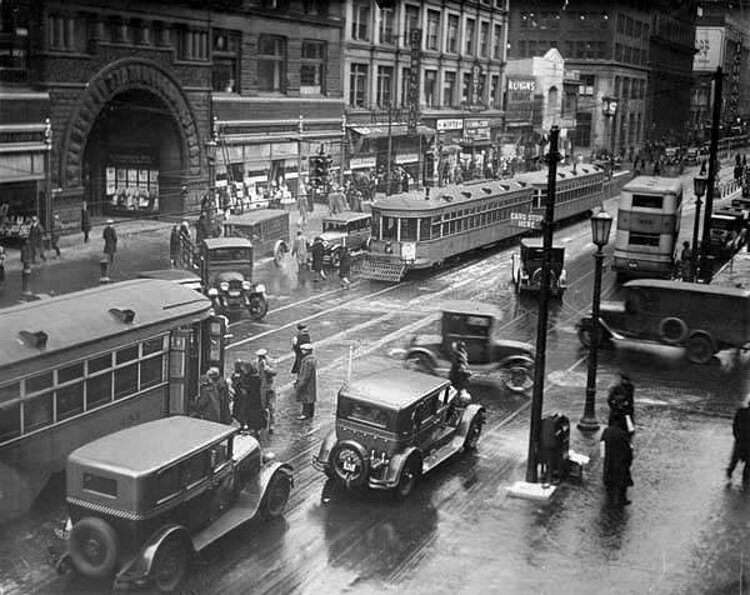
(81, 365)
(648, 225)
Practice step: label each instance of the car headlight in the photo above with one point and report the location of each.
(260, 288)
(224, 286)
(213, 292)
(246, 285)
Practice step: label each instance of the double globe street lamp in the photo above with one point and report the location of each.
(601, 224)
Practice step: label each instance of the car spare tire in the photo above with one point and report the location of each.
(94, 547)
(349, 462)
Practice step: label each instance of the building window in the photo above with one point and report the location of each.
(470, 35)
(193, 44)
(405, 78)
(522, 48)
(361, 21)
(430, 85)
(466, 88)
(358, 85)
(312, 68)
(449, 89)
(385, 86)
(452, 40)
(61, 33)
(14, 44)
(497, 43)
(484, 39)
(494, 90)
(226, 58)
(272, 63)
(411, 21)
(385, 32)
(433, 30)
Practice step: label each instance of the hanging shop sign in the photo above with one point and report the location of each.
(709, 46)
(415, 67)
(362, 162)
(476, 79)
(449, 124)
(476, 131)
(407, 158)
(520, 98)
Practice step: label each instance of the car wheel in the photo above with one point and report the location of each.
(93, 547)
(336, 259)
(475, 430)
(169, 565)
(699, 348)
(418, 363)
(258, 307)
(277, 495)
(519, 378)
(409, 476)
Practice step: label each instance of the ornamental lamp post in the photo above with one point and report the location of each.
(601, 224)
(700, 184)
(609, 109)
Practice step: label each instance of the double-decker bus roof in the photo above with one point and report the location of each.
(681, 286)
(654, 184)
(448, 196)
(91, 316)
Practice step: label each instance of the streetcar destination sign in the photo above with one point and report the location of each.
(528, 220)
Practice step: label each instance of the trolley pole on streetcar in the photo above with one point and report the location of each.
(390, 150)
(705, 273)
(548, 224)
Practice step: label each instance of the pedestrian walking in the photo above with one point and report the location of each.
(618, 457)
(459, 373)
(36, 239)
(302, 207)
(207, 405)
(26, 254)
(241, 404)
(621, 401)
(255, 411)
(305, 386)
(174, 246)
(85, 221)
(222, 392)
(267, 391)
(685, 262)
(202, 230)
(301, 338)
(741, 447)
(110, 241)
(318, 252)
(345, 268)
(55, 234)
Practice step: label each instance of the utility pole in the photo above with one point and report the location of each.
(548, 225)
(705, 272)
(390, 151)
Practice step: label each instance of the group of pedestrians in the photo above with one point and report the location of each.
(317, 251)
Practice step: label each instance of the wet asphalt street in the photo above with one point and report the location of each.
(684, 533)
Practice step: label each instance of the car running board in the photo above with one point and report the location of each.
(442, 454)
(245, 508)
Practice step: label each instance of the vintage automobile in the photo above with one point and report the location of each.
(474, 323)
(263, 227)
(393, 428)
(143, 500)
(690, 315)
(727, 232)
(526, 268)
(176, 275)
(348, 229)
(227, 271)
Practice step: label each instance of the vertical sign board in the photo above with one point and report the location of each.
(734, 94)
(709, 45)
(415, 68)
(476, 74)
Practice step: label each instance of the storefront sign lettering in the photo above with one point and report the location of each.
(362, 162)
(456, 124)
(476, 79)
(407, 158)
(415, 67)
(521, 85)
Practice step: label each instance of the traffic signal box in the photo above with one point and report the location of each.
(320, 167)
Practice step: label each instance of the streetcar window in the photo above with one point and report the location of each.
(644, 239)
(10, 420)
(389, 228)
(408, 230)
(645, 201)
(126, 355)
(37, 412)
(98, 390)
(436, 230)
(452, 227)
(39, 382)
(69, 373)
(100, 363)
(152, 372)
(375, 225)
(69, 400)
(153, 345)
(126, 381)
(425, 228)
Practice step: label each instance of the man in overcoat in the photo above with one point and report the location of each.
(301, 338)
(305, 387)
(318, 252)
(741, 449)
(207, 405)
(110, 241)
(618, 457)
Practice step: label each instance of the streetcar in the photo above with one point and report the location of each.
(648, 225)
(76, 367)
(578, 190)
(413, 230)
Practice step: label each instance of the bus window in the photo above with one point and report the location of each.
(425, 228)
(644, 201)
(644, 239)
(389, 228)
(408, 230)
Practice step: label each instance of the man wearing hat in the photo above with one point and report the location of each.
(267, 392)
(299, 339)
(222, 391)
(110, 241)
(305, 387)
(207, 405)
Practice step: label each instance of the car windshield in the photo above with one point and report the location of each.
(367, 413)
(463, 324)
(332, 226)
(229, 254)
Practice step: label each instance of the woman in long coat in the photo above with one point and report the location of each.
(305, 387)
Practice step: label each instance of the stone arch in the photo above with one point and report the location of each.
(119, 76)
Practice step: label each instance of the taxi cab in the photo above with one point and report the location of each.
(143, 500)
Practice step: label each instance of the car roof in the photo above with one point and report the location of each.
(687, 287)
(148, 447)
(213, 243)
(254, 216)
(538, 243)
(397, 388)
(472, 308)
(346, 217)
(170, 275)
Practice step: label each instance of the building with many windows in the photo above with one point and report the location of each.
(146, 99)
(448, 77)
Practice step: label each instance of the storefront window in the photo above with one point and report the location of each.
(484, 39)
(470, 36)
(405, 76)
(312, 68)
(386, 26)
(361, 21)
(433, 30)
(14, 43)
(497, 45)
(272, 63)
(132, 181)
(411, 21)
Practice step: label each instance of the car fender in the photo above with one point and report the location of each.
(324, 453)
(138, 568)
(471, 411)
(397, 462)
(267, 471)
(427, 353)
(516, 360)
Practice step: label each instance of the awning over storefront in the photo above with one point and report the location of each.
(396, 130)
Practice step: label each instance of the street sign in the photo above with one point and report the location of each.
(526, 220)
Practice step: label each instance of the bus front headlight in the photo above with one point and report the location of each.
(260, 288)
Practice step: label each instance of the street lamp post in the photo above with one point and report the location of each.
(700, 183)
(388, 169)
(609, 109)
(211, 160)
(601, 224)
